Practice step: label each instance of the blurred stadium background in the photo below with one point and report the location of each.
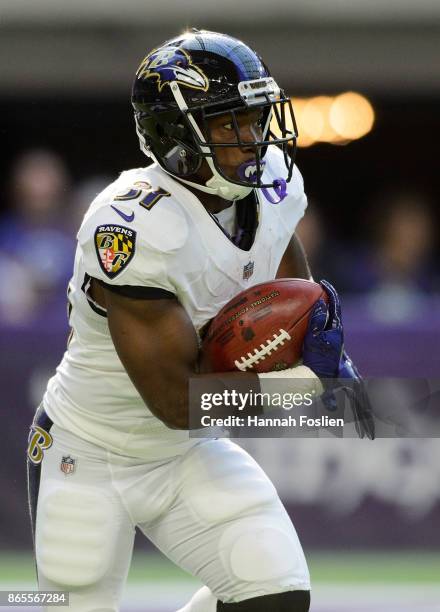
(368, 513)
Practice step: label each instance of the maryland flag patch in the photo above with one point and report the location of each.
(115, 247)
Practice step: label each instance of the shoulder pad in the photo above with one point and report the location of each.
(138, 202)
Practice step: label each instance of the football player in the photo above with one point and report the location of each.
(160, 251)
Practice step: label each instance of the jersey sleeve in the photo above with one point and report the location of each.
(128, 248)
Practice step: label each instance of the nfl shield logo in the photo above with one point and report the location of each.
(67, 465)
(248, 270)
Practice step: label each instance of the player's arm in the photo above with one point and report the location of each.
(294, 263)
(157, 344)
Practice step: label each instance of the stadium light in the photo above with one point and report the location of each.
(337, 120)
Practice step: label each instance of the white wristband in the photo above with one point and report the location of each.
(299, 379)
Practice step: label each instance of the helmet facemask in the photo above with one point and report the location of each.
(276, 110)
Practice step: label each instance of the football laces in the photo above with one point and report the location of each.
(265, 350)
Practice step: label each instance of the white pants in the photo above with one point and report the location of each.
(212, 511)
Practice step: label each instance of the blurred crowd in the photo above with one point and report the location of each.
(393, 267)
(390, 263)
(38, 228)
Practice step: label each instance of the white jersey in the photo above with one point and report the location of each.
(146, 230)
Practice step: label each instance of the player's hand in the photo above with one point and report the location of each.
(324, 354)
(324, 340)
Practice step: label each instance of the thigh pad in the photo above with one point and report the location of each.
(75, 538)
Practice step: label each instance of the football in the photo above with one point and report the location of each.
(262, 328)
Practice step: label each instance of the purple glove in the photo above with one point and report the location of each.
(324, 340)
(323, 353)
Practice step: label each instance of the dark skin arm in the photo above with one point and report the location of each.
(158, 346)
(294, 263)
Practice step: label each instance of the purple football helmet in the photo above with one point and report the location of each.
(194, 77)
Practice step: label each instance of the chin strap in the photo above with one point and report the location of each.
(219, 186)
(225, 189)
